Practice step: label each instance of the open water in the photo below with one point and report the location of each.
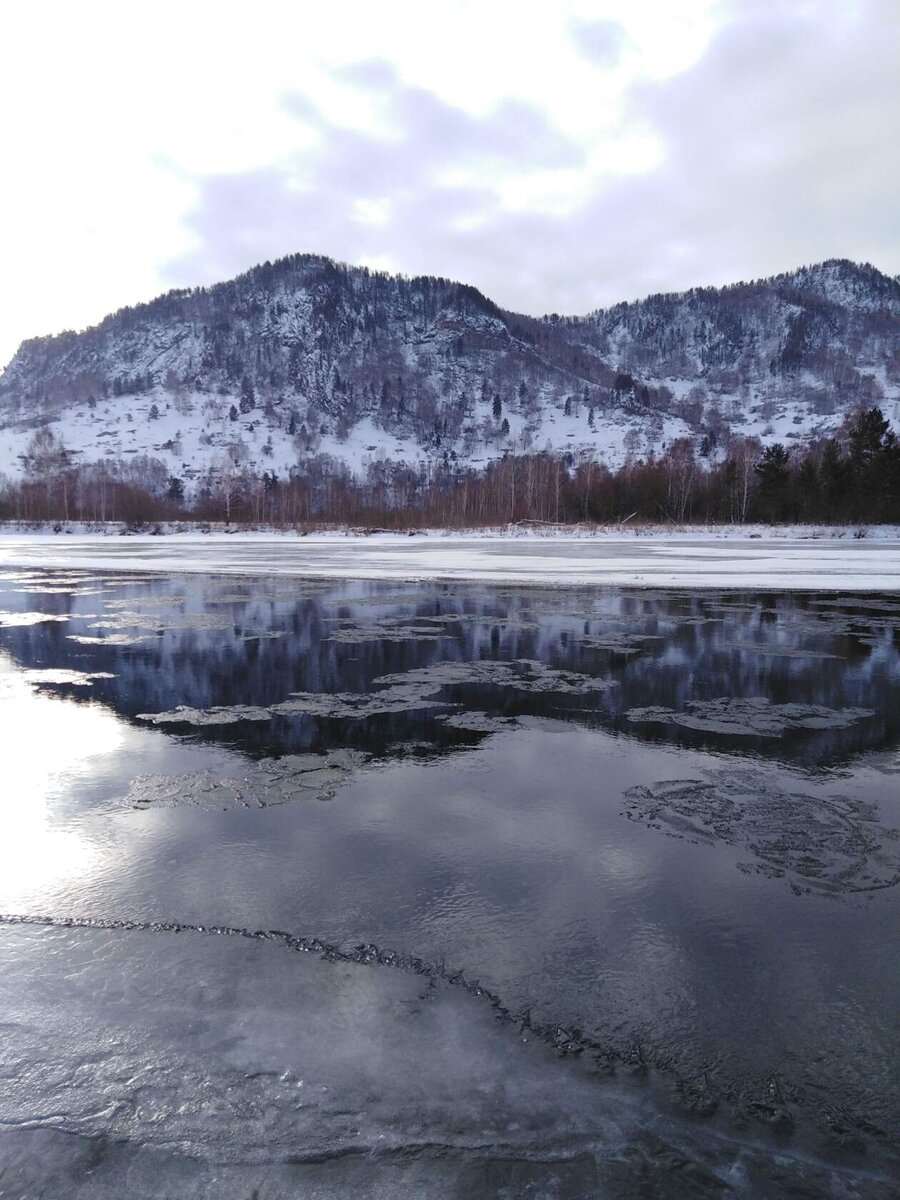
(320, 889)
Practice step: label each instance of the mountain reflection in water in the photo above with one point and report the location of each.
(655, 832)
(202, 642)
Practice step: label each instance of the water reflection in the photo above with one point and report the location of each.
(35, 851)
(680, 662)
(659, 828)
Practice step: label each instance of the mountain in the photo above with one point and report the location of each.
(797, 350)
(304, 364)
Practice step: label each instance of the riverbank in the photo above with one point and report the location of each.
(748, 557)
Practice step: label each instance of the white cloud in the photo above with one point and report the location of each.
(559, 157)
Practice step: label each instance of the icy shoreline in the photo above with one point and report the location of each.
(527, 530)
(748, 557)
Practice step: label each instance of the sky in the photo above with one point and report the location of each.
(559, 157)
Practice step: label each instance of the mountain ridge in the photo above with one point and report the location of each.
(809, 269)
(309, 364)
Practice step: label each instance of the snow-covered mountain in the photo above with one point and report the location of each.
(303, 364)
(780, 358)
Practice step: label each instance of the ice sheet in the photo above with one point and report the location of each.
(654, 560)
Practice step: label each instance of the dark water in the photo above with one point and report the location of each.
(392, 890)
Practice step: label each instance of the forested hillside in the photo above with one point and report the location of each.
(324, 376)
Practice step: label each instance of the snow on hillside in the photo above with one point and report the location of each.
(306, 365)
(194, 434)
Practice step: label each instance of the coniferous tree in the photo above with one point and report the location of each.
(867, 440)
(871, 439)
(835, 480)
(248, 396)
(773, 482)
(809, 498)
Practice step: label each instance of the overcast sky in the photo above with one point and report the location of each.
(559, 156)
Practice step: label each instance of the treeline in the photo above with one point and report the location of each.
(853, 479)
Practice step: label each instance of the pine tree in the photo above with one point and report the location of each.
(871, 441)
(248, 397)
(773, 480)
(808, 488)
(835, 476)
(867, 440)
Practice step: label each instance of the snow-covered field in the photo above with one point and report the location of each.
(790, 558)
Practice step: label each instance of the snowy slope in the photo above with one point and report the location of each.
(782, 359)
(307, 366)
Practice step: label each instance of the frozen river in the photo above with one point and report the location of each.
(810, 559)
(322, 887)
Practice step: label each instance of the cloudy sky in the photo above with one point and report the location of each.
(559, 156)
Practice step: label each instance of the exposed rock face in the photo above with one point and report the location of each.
(304, 365)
